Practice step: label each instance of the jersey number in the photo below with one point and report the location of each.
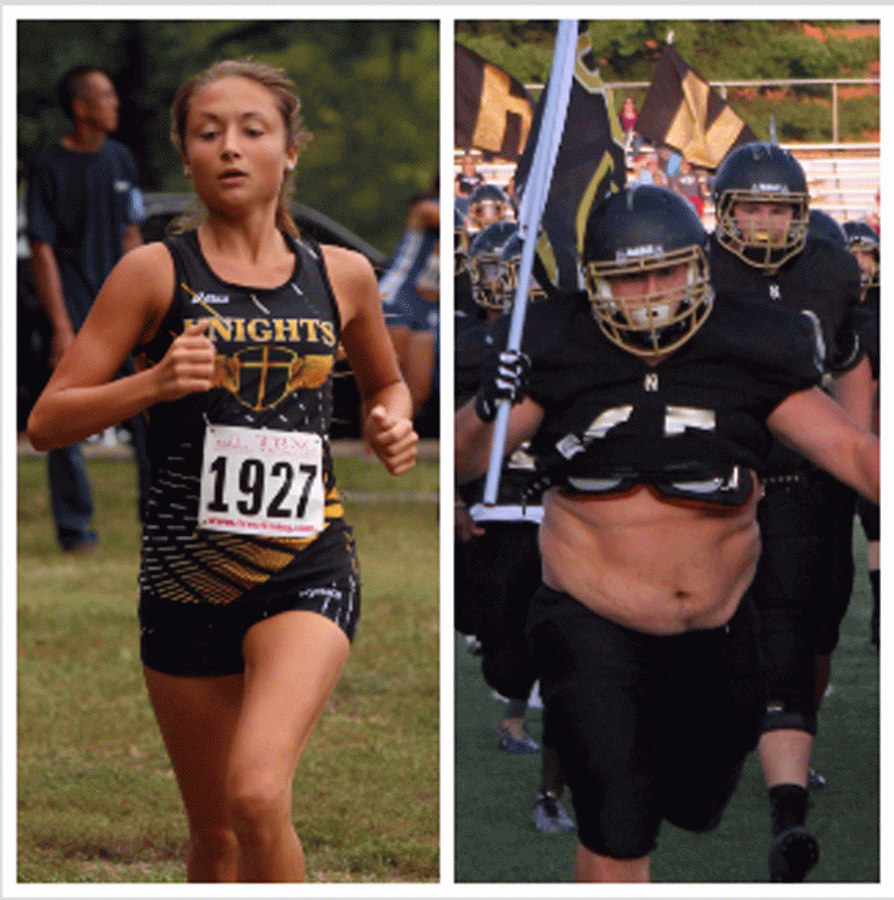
(676, 420)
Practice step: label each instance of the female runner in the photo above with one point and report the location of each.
(249, 587)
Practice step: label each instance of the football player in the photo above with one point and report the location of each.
(465, 313)
(494, 261)
(487, 269)
(487, 204)
(825, 226)
(649, 406)
(763, 246)
(497, 555)
(864, 242)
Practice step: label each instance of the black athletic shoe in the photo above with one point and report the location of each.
(550, 816)
(793, 854)
(815, 781)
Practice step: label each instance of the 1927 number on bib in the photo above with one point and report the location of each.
(261, 482)
(253, 485)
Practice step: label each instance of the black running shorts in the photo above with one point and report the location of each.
(205, 639)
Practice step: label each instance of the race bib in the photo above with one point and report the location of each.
(261, 482)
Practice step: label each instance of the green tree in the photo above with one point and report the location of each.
(721, 50)
(369, 89)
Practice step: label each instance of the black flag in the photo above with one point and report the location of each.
(590, 164)
(492, 110)
(683, 111)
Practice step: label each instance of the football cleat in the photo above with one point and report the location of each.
(793, 853)
(515, 740)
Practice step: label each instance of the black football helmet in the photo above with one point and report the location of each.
(825, 226)
(510, 259)
(487, 270)
(639, 232)
(760, 173)
(460, 243)
(862, 236)
(487, 204)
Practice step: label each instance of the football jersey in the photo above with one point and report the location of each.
(822, 282)
(466, 313)
(243, 443)
(688, 426)
(867, 324)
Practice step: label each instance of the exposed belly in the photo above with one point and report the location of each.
(647, 564)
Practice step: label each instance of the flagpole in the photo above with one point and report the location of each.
(531, 209)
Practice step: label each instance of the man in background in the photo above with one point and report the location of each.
(83, 209)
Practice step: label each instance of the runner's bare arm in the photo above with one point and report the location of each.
(83, 397)
(387, 405)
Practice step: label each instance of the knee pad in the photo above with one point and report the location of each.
(781, 717)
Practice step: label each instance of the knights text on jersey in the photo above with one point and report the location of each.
(242, 474)
(611, 419)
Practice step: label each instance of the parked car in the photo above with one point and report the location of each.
(161, 209)
(33, 331)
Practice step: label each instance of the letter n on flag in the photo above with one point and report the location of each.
(683, 111)
(589, 165)
(492, 110)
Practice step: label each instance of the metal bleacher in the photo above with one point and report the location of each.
(842, 179)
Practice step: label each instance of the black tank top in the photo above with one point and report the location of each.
(275, 350)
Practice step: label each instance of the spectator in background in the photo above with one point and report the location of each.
(669, 161)
(874, 216)
(637, 172)
(467, 179)
(84, 208)
(688, 184)
(646, 170)
(512, 196)
(628, 118)
(409, 287)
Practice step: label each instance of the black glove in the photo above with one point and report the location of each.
(505, 378)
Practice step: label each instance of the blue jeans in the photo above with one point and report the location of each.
(70, 496)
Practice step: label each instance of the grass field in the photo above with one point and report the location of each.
(97, 801)
(496, 840)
